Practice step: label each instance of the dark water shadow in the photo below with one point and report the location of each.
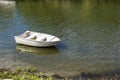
(37, 50)
(62, 46)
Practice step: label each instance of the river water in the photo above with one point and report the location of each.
(89, 30)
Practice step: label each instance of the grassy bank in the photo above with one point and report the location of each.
(31, 73)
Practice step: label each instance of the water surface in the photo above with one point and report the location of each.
(89, 30)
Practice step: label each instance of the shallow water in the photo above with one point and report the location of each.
(89, 30)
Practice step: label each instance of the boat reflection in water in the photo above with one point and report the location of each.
(37, 50)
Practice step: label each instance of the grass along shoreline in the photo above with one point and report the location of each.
(28, 73)
(31, 73)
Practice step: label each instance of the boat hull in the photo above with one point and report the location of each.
(21, 40)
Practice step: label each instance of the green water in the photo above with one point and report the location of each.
(89, 30)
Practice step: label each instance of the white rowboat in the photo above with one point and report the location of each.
(37, 39)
